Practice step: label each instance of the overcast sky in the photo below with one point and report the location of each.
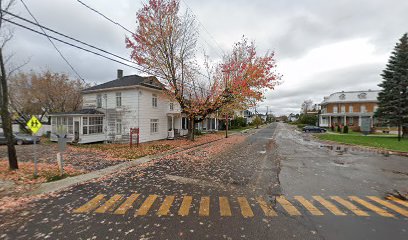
(321, 46)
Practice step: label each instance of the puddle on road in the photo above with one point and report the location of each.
(345, 149)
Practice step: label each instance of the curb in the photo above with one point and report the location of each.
(62, 184)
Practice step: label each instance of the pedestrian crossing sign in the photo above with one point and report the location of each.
(34, 124)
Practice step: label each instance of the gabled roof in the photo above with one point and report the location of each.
(79, 112)
(127, 81)
(352, 96)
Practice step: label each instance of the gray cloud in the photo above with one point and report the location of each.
(291, 28)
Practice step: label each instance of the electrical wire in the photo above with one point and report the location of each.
(53, 44)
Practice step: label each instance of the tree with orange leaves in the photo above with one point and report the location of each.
(164, 44)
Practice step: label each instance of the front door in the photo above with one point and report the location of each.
(76, 131)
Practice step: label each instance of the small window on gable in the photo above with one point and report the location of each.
(171, 106)
(154, 100)
(362, 95)
(342, 96)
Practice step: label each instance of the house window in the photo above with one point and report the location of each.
(351, 121)
(351, 108)
(343, 109)
(99, 101)
(335, 109)
(118, 99)
(363, 109)
(184, 123)
(154, 100)
(171, 106)
(118, 126)
(92, 125)
(70, 125)
(154, 125)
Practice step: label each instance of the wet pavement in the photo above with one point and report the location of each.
(277, 184)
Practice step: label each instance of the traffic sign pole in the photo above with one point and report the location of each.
(34, 125)
(35, 155)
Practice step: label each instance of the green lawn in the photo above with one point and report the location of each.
(384, 142)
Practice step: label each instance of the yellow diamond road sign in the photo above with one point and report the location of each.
(34, 124)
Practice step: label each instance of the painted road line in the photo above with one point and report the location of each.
(389, 205)
(108, 205)
(185, 206)
(91, 205)
(267, 209)
(372, 207)
(287, 206)
(350, 206)
(330, 206)
(147, 204)
(166, 205)
(246, 210)
(204, 207)
(127, 204)
(225, 209)
(397, 200)
(309, 206)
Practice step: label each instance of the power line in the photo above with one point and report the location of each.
(56, 48)
(107, 18)
(66, 36)
(73, 45)
(120, 25)
(205, 29)
(93, 52)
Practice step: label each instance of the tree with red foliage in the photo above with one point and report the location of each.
(164, 44)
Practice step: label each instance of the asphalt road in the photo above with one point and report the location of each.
(278, 184)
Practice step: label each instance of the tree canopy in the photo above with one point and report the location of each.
(393, 98)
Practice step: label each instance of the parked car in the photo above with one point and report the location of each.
(20, 139)
(313, 129)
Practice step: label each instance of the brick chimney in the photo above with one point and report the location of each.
(120, 73)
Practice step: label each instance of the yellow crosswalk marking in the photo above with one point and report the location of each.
(397, 200)
(225, 208)
(147, 204)
(91, 205)
(350, 206)
(127, 204)
(330, 206)
(309, 206)
(389, 205)
(185, 206)
(268, 210)
(372, 207)
(246, 210)
(166, 205)
(287, 206)
(204, 207)
(108, 205)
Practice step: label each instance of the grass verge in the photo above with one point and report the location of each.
(389, 143)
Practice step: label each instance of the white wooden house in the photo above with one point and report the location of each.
(111, 109)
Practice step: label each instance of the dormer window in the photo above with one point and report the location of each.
(342, 96)
(362, 95)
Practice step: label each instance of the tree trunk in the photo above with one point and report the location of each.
(191, 128)
(405, 132)
(6, 117)
(226, 126)
(399, 132)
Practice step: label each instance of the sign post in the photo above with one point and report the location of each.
(34, 125)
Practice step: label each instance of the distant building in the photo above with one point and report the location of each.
(348, 108)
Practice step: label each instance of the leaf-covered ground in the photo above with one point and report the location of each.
(81, 159)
